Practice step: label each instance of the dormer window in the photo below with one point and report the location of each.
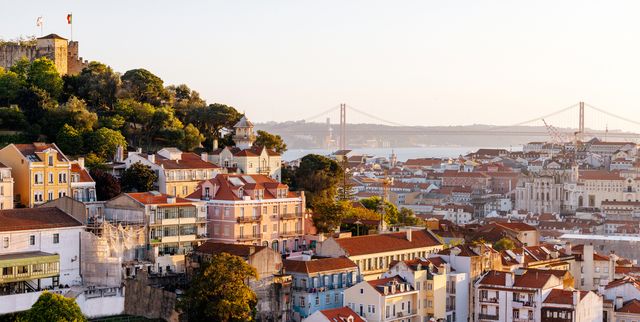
(51, 160)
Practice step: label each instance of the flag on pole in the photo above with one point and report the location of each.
(69, 19)
(39, 21)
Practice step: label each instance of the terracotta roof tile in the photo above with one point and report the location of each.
(318, 265)
(379, 243)
(84, 174)
(632, 306)
(341, 314)
(35, 218)
(378, 284)
(155, 198)
(187, 160)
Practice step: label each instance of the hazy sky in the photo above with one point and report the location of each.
(411, 62)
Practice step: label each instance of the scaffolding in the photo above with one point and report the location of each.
(104, 256)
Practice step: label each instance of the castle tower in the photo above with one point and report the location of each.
(54, 47)
(243, 135)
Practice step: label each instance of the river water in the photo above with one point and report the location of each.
(402, 153)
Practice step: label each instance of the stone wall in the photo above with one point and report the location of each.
(143, 299)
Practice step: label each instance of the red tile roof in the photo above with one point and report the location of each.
(319, 265)
(391, 282)
(35, 218)
(380, 243)
(187, 160)
(226, 189)
(632, 306)
(243, 251)
(341, 314)
(155, 198)
(599, 175)
(84, 174)
(423, 162)
(495, 278)
(31, 149)
(558, 296)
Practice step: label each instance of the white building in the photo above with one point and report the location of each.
(40, 249)
(6, 187)
(385, 299)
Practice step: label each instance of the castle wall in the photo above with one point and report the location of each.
(75, 63)
(64, 55)
(10, 54)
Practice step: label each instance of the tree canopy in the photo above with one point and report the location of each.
(504, 244)
(270, 141)
(54, 307)
(138, 178)
(219, 291)
(107, 186)
(318, 176)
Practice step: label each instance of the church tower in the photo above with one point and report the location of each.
(243, 136)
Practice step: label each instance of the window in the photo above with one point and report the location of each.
(275, 209)
(5, 242)
(32, 240)
(327, 299)
(361, 291)
(51, 160)
(50, 177)
(317, 300)
(56, 238)
(301, 300)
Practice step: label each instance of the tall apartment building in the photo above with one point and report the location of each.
(41, 172)
(174, 225)
(253, 209)
(384, 299)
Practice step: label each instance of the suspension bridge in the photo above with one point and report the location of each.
(580, 121)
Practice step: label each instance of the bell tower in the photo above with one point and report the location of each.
(243, 136)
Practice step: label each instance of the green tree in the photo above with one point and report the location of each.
(407, 217)
(138, 178)
(54, 307)
(183, 99)
(192, 138)
(44, 75)
(143, 86)
(103, 142)
(34, 102)
(270, 141)
(213, 118)
(318, 176)
(74, 112)
(138, 115)
(345, 186)
(328, 214)
(69, 140)
(114, 122)
(98, 85)
(219, 291)
(12, 118)
(93, 161)
(389, 210)
(21, 68)
(107, 186)
(504, 244)
(10, 85)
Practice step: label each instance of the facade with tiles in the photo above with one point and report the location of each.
(319, 284)
(253, 210)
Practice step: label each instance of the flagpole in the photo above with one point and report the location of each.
(71, 26)
(41, 25)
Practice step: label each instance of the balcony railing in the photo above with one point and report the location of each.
(489, 299)
(523, 319)
(249, 237)
(521, 303)
(291, 216)
(484, 316)
(291, 233)
(241, 220)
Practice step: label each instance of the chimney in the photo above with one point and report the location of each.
(508, 279)
(139, 150)
(567, 248)
(151, 158)
(409, 234)
(215, 144)
(576, 297)
(204, 156)
(81, 162)
(619, 302)
(171, 199)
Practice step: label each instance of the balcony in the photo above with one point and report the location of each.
(27, 266)
(490, 317)
(290, 216)
(521, 303)
(489, 300)
(264, 170)
(242, 220)
(523, 319)
(292, 233)
(401, 315)
(249, 237)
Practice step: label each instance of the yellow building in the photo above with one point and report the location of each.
(41, 172)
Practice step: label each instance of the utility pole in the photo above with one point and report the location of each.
(343, 126)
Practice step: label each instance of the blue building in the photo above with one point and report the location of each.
(319, 284)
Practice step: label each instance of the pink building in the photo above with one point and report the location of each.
(253, 210)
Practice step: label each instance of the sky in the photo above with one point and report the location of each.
(409, 62)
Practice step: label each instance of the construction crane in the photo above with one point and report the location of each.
(556, 136)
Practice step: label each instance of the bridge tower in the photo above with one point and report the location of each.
(581, 123)
(343, 126)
